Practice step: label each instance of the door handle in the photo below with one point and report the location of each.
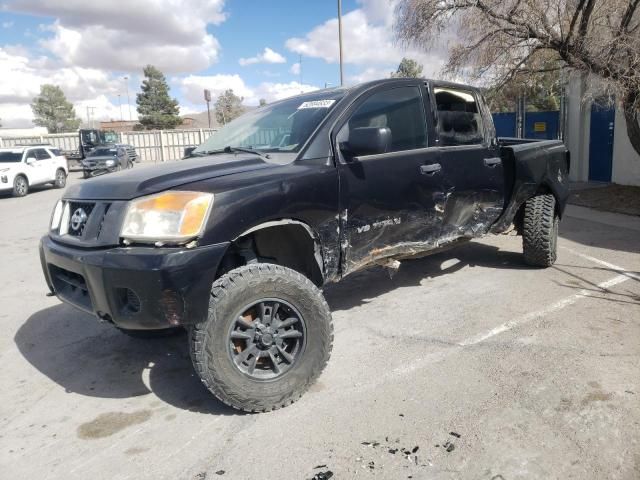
(430, 169)
(492, 162)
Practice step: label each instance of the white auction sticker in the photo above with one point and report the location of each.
(317, 104)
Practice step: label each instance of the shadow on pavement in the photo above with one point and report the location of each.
(77, 352)
(358, 288)
(599, 235)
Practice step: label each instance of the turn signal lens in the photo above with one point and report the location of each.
(172, 217)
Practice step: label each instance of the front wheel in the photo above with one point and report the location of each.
(267, 338)
(61, 179)
(540, 232)
(20, 186)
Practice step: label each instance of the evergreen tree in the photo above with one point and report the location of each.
(228, 106)
(156, 108)
(408, 68)
(52, 110)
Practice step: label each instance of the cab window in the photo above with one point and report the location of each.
(459, 118)
(39, 154)
(401, 110)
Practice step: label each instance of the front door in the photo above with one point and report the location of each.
(601, 143)
(472, 169)
(389, 200)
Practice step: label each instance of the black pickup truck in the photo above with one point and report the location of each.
(235, 242)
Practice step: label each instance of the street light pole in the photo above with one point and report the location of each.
(126, 80)
(120, 106)
(340, 39)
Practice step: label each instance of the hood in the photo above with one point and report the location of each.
(144, 180)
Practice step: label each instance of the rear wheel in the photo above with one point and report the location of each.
(61, 179)
(540, 231)
(267, 338)
(20, 186)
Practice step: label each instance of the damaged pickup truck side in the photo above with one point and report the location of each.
(235, 242)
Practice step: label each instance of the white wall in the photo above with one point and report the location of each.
(577, 129)
(626, 162)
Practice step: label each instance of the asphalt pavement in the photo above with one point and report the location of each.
(464, 365)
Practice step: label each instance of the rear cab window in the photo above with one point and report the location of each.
(459, 117)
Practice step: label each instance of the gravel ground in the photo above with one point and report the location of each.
(464, 365)
(609, 198)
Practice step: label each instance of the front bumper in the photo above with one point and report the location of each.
(134, 287)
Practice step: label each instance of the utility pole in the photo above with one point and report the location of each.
(207, 98)
(120, 106)
(340, 39)
(126, 80)
(90, 115)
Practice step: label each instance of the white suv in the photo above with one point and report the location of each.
(25, 166)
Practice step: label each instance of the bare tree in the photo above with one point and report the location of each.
(499, 40)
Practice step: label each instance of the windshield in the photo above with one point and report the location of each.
(101, 152)
(282, 127)
(8, 157)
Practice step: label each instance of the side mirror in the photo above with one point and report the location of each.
(188, 151)
(367, 141)
(31, 160)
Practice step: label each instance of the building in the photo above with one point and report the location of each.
(596, 136)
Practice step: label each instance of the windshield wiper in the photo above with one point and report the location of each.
(230, 149)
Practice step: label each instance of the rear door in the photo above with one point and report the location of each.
(46, 165)
(388, 200)
(472, 171)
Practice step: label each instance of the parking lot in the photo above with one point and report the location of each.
(465, 364)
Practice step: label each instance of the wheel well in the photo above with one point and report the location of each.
(289, 245)
(23, 176)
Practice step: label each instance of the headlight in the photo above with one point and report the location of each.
(110, 163)
(57, 215)
(172, 217)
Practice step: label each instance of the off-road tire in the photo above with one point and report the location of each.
(208, 340)
(540, 231)
(61, 179)
(149, 334)
(20, 186)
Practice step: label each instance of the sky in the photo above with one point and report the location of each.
(261, 49)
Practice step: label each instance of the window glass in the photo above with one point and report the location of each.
(39, 153)
(400, 110)
(55, 152)
(459, 118)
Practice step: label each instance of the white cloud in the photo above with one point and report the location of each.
(295, 69)
(368, 74)
(193, 87)
(7, 24)
(267, 56)
(23, 76)
(368, 41)
(171, 34)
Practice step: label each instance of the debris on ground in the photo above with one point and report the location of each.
(449, 446)
(220, 472)
(457, 435)
(319, 466)
(323, 475)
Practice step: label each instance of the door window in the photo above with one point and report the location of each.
(400, 110)
(40, 154)
(459, 118)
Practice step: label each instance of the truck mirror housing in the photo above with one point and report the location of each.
(367, 141)
(188, 151)
(31, 160)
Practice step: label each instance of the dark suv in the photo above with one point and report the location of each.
(236, 242)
